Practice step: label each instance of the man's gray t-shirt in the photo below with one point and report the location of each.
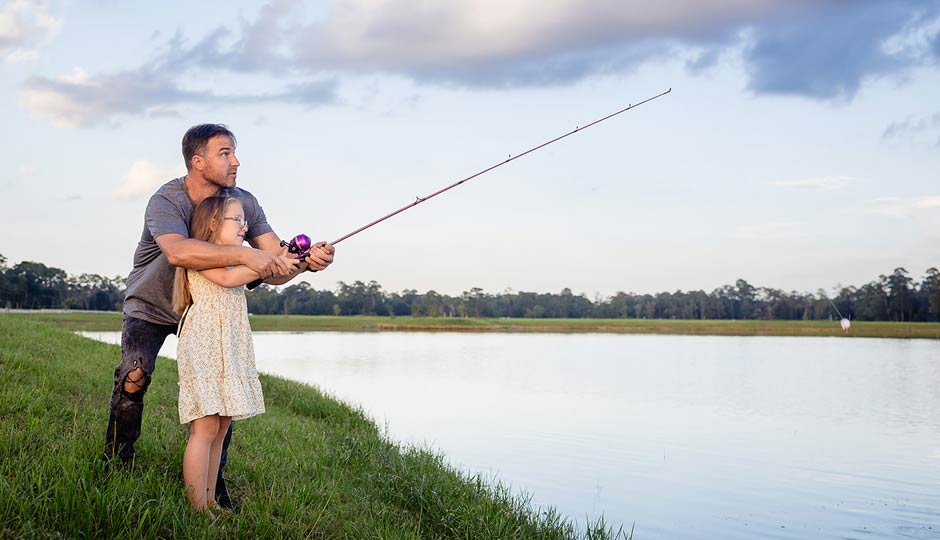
(149, 294)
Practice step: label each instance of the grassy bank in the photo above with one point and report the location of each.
(305, 323)
(310, 467)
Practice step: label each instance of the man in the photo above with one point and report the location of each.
(211, 165)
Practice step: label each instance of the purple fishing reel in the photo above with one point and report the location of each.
(299, 246)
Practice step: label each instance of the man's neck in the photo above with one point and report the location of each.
(199, 189)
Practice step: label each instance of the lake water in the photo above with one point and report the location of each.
(685, 436)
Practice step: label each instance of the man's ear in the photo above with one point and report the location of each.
(197, 162)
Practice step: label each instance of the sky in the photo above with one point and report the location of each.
(799, 147)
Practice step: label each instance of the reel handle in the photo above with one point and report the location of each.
(299, 246)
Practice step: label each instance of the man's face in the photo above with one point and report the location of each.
(219, 164)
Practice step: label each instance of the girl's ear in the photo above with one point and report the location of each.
(214, 226)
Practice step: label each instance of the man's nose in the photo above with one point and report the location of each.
(235, 161)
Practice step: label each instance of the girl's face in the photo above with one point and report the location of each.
(233, 228)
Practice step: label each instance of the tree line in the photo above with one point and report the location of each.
(891, 297)
(32, 285)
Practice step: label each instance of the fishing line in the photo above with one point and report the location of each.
(835, 308)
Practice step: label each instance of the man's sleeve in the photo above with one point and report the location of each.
(164, 217)
(258, 223)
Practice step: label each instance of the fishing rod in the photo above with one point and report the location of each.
(301, 244)
(419, 200)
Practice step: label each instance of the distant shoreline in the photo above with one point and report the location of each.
(111, 321)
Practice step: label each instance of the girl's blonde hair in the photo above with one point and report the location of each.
(206, 217)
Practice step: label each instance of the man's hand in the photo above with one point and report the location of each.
(321, 256)
(268, 264)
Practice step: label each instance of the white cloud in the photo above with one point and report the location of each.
(914, 39)
(479, 43)
(165, 111)
(23, 25)
(406, 32)
(78, 77)
(64, 109)
(21, 55)
(770, 231)
(532, 43)
(914, 208)
(57, 107)
(820, 182)
(928, 201)
(80, 99)
(143, 178)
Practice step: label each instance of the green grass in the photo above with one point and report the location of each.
(306, 323)
(311, 467)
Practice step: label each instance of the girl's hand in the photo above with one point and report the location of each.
(289, 260)
(265, 263)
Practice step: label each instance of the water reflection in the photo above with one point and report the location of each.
(688, 436)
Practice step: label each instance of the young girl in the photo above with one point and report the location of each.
(216, 361)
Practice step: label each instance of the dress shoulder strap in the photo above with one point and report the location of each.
(179, 325)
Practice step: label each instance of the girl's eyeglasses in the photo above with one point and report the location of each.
(239, 220)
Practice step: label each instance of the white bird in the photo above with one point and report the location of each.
(844, 322)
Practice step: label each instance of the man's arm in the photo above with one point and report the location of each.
(198, 255)
(268, 241)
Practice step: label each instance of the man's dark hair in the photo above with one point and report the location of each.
(197, 137)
